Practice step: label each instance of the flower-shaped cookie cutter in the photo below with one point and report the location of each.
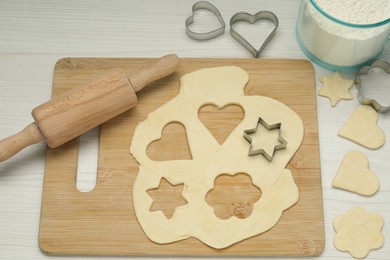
(385, 66)
(206, 35)
(281, 146)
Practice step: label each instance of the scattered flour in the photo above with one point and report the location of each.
(338, 44)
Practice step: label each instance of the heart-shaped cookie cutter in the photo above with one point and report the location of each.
(206, 35)
(245, 17)
(385, 66)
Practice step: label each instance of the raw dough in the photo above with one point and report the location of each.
(358, 232)
(362, 128)
(219, 86)
(354, 175)
(336, 88)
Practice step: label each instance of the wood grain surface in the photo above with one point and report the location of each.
(102, 221)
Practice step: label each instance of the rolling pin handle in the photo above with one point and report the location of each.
(15, 143)
(156, 70)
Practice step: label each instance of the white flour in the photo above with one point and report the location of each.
(357, 11)
(341, 45)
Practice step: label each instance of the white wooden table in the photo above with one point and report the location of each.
(35, 34)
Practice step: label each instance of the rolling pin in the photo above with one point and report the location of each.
(80, 109)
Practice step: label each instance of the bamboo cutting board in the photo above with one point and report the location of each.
(103, 222)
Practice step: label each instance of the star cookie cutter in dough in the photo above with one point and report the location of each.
(385, 66)
(207, 35)
(281, 146)
(245, 17)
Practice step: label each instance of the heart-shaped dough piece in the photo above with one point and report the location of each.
(354, 175)
(362, 128)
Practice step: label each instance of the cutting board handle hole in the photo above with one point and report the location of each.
(87, 163)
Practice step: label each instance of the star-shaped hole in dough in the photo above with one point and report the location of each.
(358, 232)
(336, 88)
(266, 139)
(167, 197)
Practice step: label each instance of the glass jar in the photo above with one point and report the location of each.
(338, 45)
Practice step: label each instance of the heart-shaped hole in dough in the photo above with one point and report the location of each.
(233, 196)
(221, 121)
(173, 144)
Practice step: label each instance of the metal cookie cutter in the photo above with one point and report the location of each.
(207, 35)
(281, 146)
(385, 66)
(252, 19)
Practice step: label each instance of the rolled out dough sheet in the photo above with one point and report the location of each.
(218, 86)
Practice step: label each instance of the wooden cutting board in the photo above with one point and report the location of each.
(102, 222)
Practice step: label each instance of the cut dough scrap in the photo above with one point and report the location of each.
(358, 232)
(354, 175)
(219, 86)
(362, 128)
(336, 88)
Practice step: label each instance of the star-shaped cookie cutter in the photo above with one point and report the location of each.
(281, 146)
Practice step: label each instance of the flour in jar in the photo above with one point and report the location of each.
(357, 11)
(343, 45)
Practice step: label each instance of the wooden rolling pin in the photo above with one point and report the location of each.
(83, 108)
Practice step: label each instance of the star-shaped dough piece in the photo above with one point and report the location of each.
(336, 88)
(358, 232)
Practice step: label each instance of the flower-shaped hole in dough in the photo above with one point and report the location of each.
(233, 195)
(358, 232)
